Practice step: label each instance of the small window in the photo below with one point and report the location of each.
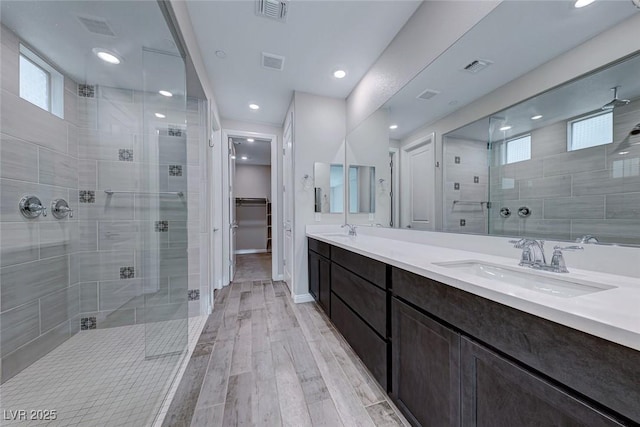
(590, 131)
(40, 83)
(515, 150)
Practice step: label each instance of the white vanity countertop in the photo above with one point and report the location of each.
(612, 314)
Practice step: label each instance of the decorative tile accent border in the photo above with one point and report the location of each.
(193, 294)
(175, 170)
(86, 91)
(162, 226)
(87, 323)
(174, 131)
(456, 185)
(456, 159)
(476, 179)
(463, 222)
(87, 196)
(125, 155)
(127, 272)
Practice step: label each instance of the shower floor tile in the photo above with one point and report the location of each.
(101, 377)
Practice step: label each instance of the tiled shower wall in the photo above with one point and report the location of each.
(39, 291)
(122, 259)
(591, 191)
(466, 182)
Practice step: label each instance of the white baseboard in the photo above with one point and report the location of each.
(250, 251)
(278, 277)
(303, 298)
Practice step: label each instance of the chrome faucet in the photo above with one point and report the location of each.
(352, 229)
(533, 255)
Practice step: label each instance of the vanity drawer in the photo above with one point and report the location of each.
(372, 270)
(319, 247)
(370, 302)
(371, 349)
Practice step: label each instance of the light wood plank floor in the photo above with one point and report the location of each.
(276, 363)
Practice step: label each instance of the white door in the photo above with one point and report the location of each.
(233, 225)
(417, 184)
(287, 179)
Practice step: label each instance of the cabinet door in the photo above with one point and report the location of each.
(425, 366)
(496, 392)
(324, 284)
(314, 275)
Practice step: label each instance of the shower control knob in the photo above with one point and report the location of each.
(31, 207)
(60, 209)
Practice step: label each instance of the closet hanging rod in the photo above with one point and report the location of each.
(171, 193)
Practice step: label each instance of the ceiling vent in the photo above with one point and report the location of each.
(274, 9)
(477, 65)
(96, 26)
(272, 62)
(427, 94)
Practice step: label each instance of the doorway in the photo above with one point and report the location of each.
(251, 207)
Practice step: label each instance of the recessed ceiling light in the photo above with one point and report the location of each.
(339, 74)
(221, 54)
(392, 127)
(503, 128)
(233, 157)
(160, 115)
(582, 3)
(536, 117)
(622, 153)
(106, 56)
(250, 139)
(165, 93)
(244, 157)
(254, 106)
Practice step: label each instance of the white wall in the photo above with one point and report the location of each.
(605, 48)
(253, 181)
(319, 131)
(434, 27)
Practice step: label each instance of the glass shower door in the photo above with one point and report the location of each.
(163, 206)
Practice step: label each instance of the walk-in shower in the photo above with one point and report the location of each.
(95, 278)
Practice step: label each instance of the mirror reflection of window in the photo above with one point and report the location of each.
(336, 186)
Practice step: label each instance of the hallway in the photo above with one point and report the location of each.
(253, 267)
(264, 361)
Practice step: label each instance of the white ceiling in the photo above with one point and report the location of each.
(570, 100)
(318, 37)
(518, 36)
(54, 30)
(257, 152)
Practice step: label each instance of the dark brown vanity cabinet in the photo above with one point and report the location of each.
(497, 392)
(425, 364)
(320, 273)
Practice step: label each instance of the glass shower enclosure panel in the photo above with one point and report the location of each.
(163, 205)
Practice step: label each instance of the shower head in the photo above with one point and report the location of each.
(626, 143)
(615, 102)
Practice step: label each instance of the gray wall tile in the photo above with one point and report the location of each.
(610, 231)
(584, 207)
(118, 175)
(119, 235)
(87, 174)
(106, 207)
(603, 182)
(25, 282)
(19, 242)
(23, 120)
(623, 206)
(87, 239)
(20, 359)
(556, 186)
(58, 169)
(19, 326)
(172, 150)
(88, 297)
(57, 238)
(556, 229)
(12, 192)
(588, 159)
(59, 307)
(120, 294)
(104, 265)
(102, 145)
(18, 159)
(549, 140)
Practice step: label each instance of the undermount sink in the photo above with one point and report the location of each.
(563, 287)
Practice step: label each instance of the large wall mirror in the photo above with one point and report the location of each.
(572, 172)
